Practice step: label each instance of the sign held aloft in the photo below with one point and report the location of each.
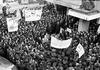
(12, 25)
(60, 44)
(33, 14)
(80, 50)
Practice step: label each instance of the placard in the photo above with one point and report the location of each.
(33, 14)
(1, 2)
(98, 31)
(1, 6)
(52, 1)
(60, 44)
(32, 1)
(1, 9)
(80, 50)
(12, 24)
(24, 1)
(98, 21)
(46, 38)
(18, 15)
(10, 0)
(69, 30)
(12, 6)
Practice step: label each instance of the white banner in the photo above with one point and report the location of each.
(60, 43)
(6, 65)
(32, 14)
(7, 68)
(80, 50)
(12, 24)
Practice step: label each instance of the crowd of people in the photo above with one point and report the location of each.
(26, 49)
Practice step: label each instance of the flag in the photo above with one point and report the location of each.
(98, 31)
(32, 14)
(60, 44)
(12, 24)
(80, 50)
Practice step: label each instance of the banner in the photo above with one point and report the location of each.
(33, 14)
(75, 4)
(12, 24)
(80, 50)
(60, 44)
(6, 65)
